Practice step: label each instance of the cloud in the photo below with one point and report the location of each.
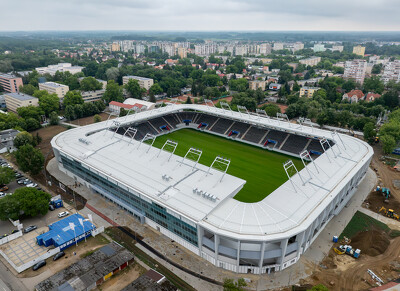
(200, 15)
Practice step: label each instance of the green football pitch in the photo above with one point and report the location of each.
(262, 169)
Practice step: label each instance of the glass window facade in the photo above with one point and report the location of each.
(152, 210)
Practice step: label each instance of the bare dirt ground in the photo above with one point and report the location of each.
(386, 175)
(123, 278)
(379, 252)
(47, 133)
(89, 120)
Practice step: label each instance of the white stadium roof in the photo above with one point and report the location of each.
(288, 209)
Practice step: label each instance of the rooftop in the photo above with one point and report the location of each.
(137, 78)
(54, 84)
(284, 210)
(20, 96)
(8, 76)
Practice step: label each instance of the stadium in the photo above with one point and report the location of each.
(244, 191)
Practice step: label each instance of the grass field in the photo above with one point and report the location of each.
(262, 169)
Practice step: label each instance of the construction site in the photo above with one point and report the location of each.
(374, 232)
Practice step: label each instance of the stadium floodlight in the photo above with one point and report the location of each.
(169, 146)
(208, 101)
(261, 113)
(147, 137)
(112, 113)
(243, 110)
(334, 133)
(325, 144)
(305, 121)
(130, 132)
(291, 170)
(192, 155)
(129, 111)
(282, 117)
(225, 106)
(220, 164)
(117, 124)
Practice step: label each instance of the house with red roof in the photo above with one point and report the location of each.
(354, 96)
(371, 97)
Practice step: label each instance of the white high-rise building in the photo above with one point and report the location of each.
(205, 49)
(391, 72)
(139, 48)
(355, 70)
(241, 50)
(318, 47)
(278, 46)
(297, 46)
(265, 49)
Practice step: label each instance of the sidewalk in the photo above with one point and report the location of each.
(393, 224)
(110, 213)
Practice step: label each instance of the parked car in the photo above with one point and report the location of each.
(58, 255)
(2, 194)
(30, 228)
(31, 185)
(14, 231)
(39, 265)
(63, 214)
(3, 236)
(3, 188)
(51, 207)
(27, 181)
(21, 180)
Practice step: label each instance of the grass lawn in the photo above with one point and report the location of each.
(262, 169)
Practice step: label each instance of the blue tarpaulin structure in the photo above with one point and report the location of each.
(61, 234)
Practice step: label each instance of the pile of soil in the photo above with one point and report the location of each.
(372, 243)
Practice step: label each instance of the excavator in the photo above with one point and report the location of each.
(389, 213)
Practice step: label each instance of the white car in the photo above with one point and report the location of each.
(31, 185)
(2, 194)
(62, 214)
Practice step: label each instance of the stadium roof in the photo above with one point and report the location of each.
(288, 208)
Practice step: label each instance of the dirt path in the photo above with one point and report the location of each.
(351, 274)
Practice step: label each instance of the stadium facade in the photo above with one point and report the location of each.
(193, 204)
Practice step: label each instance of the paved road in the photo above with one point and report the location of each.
(9, 280)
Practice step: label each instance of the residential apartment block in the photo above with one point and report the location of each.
(182, 52)
(145, 83)
(278, 46)
(92, 96)
(16, 100)
(359, 50)
(10, 83)
(265, 48)
(61, 67)
(254, 85)
(308, 91)
(391, 72)
(319, 48)
(54, 88)
(355, 70)
(311, 61)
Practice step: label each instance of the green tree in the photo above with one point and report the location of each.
(54, 118)
(6, 175)
(388, 143)
(32, 124)
(319, 287)
(369, 132)
(30, 112)
(373, 84)
(29, 159)
(113, 92)
(32, 202)
(9, 208)
(188, 100)
(155, 89)
(96, 118)
(231, 285)
(90, 84)
(112, 73)
(70, 112)
(72, 98)
(349, 85)
(47, 102)
(391, 98)
(27, 89)
(133, 88)
(23, 138)
(271, 109)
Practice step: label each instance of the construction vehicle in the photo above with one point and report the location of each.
(348, 250)
(345, 240)
(389, 213)
(338, 251)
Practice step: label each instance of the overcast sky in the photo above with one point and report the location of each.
(208, 15)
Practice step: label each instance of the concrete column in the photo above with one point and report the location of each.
(216, 244)
(300, 241)
(284, 244)
(237, 256)
(200, 234)
(261, 256)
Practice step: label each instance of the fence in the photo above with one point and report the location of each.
(97, 231)
(29, 264)
(10, 237)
